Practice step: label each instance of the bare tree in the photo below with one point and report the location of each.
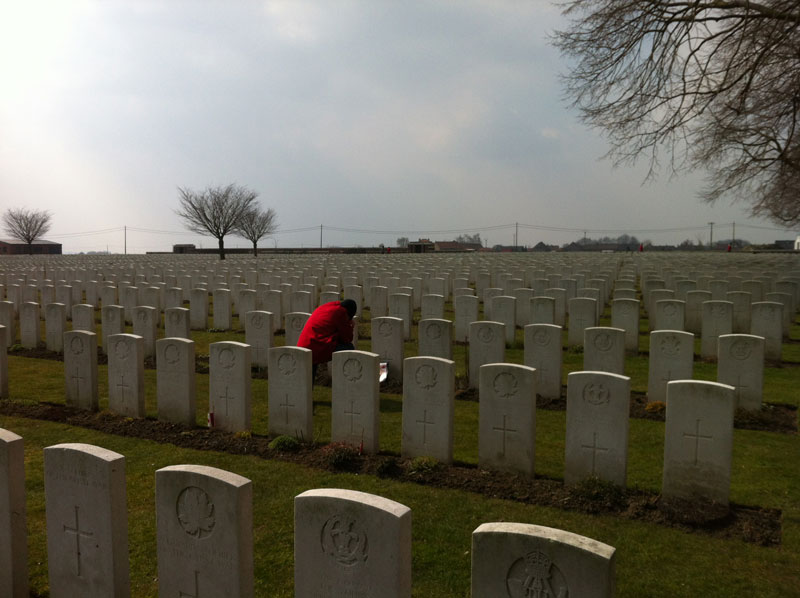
(26, 225)
(216, 211)
(705, 84)
(257, 224)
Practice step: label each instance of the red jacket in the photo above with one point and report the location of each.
(327, 328)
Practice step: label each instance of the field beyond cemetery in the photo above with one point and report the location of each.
(753, 550)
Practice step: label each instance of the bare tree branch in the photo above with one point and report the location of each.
(707, 84)
(216, 211)
(257, 224)
(27, 225)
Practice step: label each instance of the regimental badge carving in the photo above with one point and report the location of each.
(385, 329)
(195, 512)
(297, 324)
(541, 338)
(485, 334)
(352, 370)
(76, 345)
(226, 358)
(141, 316)
(257, 321)
(344, 541)
(433, 331)
(121, 350)
(596, 393)
(536, 575)
(625, 309)
(670, 310)
(741, 349)
(287, 364)
(505, 385)
(670, 345)
(603, 341)
(719, 310)
(172, 354)
(426, 377)
(174, 317)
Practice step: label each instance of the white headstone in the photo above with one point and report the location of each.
(428, 408)
(145, 324)
(355, 400)
(597, 427)
(80, 369)
(87, 522)
(436, 338)
(604, 350)
(671, 358)
(486, 345)
(204, 521)
(543, 353)
(55, 325)
(507, 418)
(126, 374)
(387, 342)
(741, 365)
(177, 323)
(13, 530)
(625, 315)
(522, 560)
(698, 441)
(348, 543)
(290, 405)
(175, 381)
(229, 389)
(582, 315)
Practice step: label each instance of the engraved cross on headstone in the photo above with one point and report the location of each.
(594, 447)
(667, 377)
(77, 380)
(503, 429)
(425, 423)
(739, 387)
(121, 386)
(697, 438)
(78, 535)
(286, 407)
(226, 398)
(352, 413)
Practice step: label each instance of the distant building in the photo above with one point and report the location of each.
(456, 246)
(786, 244)
(797, 243)
(421, 246)
(183, 248)
(39, 247)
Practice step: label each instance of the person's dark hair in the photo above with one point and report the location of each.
(351, 307)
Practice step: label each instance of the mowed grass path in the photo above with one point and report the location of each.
(651, 560)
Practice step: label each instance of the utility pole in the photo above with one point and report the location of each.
(711, 236)
(320, 236)
(734, 234)
(516, 234)
(126, 239)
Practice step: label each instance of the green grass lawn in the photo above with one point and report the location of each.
(651, 560)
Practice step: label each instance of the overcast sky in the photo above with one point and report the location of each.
(394, 118)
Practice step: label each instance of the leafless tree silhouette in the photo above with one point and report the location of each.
(215, 211)
(698, 84)
(257, 224)
(26, 225)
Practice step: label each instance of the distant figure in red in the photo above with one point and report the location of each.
(729, 247)
(329, 329)
(641, 247)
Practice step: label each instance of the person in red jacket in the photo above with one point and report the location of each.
(328, 329)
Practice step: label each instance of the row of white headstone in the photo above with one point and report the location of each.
(597, 404)
(346, 543)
